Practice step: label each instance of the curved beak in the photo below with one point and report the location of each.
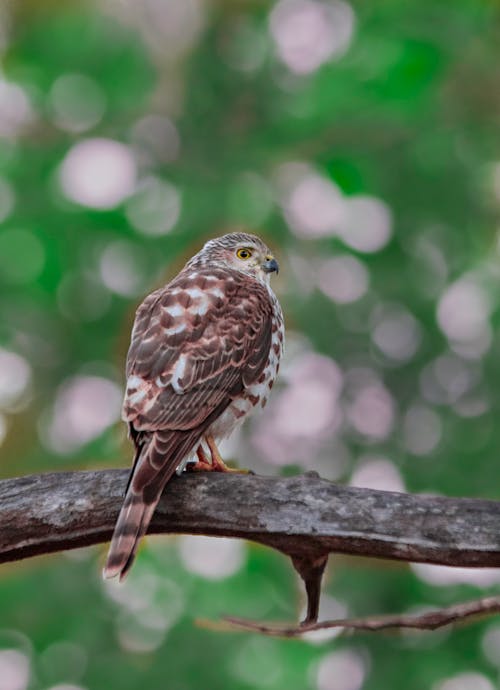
(270, 265)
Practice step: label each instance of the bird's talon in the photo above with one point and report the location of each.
(218, 464)
(199, 467)
(222, 467)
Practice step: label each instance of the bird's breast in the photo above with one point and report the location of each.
(256, 394)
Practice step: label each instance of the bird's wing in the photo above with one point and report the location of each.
(195, 345)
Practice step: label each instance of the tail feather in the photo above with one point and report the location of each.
(156, 460)
(132, 524)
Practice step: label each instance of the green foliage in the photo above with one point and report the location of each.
(408, 117)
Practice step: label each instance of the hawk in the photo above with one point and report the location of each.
(204, 352)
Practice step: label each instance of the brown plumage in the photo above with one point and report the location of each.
(204, 352)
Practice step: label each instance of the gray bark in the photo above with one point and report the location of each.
(304, 516)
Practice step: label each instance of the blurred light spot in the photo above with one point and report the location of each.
(357, 316)
(142, 634)
(309, 33)
(77, 102)
(137, 593)
(150, 605)
(154, 208)
(422, 430)
(15, 109)
(305, 414)
(468, 680)
(250, 199)
(329, 609)
(3, 428)
(156, 138)
(366, 224)
(99, 173)
(430, 269)
(490, 644)
(22, 256)
(307, 410)
(258, 663)
(473, 406)
(359, 376)
(313, 366)
(15, 377)
(212, 558)
(14, 670)
(343, 278)
(304, 276)
(313, 205)
(397, 333)
(341, 670)
(66, 686)
(84, 407)
(63, 661)
(120, 268)
(7, 199)
(443, 575)
(446, 379)
(82, 298)
(463, 311)
(246, 47)
(495, 179)
(371, 412)
(454, 375)
(377, 473)
(476, 348)
(308, 407)
(170, 28)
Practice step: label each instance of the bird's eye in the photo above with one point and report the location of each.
(244, 253)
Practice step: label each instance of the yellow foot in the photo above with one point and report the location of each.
(199, 467)
(203, 464)
(218, 464)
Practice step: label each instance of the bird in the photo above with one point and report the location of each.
(205, 351)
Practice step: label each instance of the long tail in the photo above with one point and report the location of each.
(158, 455)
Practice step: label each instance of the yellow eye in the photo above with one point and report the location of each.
(244, 253)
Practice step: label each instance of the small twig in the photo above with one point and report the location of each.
(431, 620)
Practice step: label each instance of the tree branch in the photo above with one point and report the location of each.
(305, 517)
(430, 620)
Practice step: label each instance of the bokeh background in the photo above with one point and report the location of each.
(361, 140)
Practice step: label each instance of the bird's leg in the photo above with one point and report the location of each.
(203, 464)
(218, 464)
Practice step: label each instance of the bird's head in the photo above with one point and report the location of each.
(241, 251)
